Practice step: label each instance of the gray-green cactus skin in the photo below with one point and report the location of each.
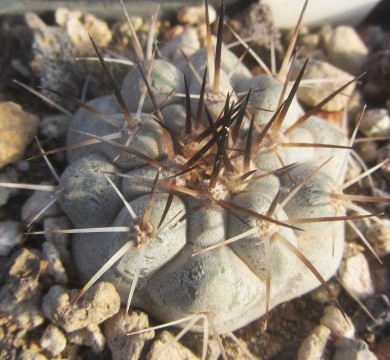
(228, 282)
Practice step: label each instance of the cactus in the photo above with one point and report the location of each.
(208, 204)
(204, 192)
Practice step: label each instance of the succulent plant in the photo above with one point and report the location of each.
(218, 202)
(204, 192)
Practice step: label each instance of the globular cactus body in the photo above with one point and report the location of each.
(210, 201)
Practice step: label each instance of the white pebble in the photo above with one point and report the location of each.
(339, 325)
(355, 276)
(317, 91)
(194, 15)
(314, 344)
(375, 122)
(346, 50)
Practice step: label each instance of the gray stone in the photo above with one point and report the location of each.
(11, 235)
(7, 175)
(351, 349)
(36, 203)
(55, 126)
(56, 269)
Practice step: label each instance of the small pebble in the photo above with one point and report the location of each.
(33, 21)
(7, 175)
(61, 241)
(56, 269)
(186, 42)
(53, 340)
(313, 94)
(55, 126)
(194, 15)
(89, 336)
(23, 166)
(99, 303)
(27, 315)
(175, 351)
(31, 355)
(375, 37)
(387, 103)
(123, 346)
(368, 151)
(314, 344)
(232, 349)
(80, 26)
(36, 203)
(339, 326)
(378, 70)
(384, 154)
(375, 122)
(17, 129)
(355, 276)
(346, 50)
(382, 350)
(11, 235)
(24, 272)
(378, 234)
(379, 307)
(351, 349)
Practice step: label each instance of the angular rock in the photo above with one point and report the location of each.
(56, 269)
(98, 304)
(17, 129)
(351, 349)
(53, 340)
(375, 122)
(22, 283)
(312, 95)
(166, 348)
(378, 234)
(123, 346)
(80, 25)
(346, 50)
(314, 344)
(339, 326)
(89, 336)
(355, 276)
